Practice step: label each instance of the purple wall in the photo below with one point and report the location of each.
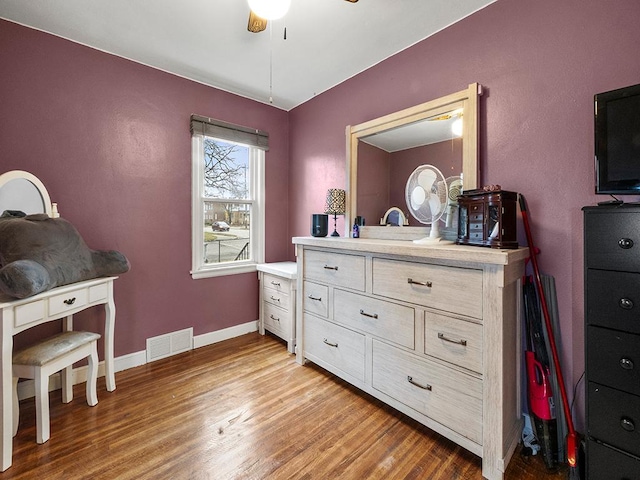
(540, 63)
(110, 139)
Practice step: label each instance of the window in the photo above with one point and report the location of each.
(228, 198)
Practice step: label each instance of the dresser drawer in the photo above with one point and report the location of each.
(316, 298)
(335, 345)
(613, 299)
(277, 320)
(446, 395)
(29, 313)
(614, 359)
(335, 269)
(614, 417)
(453, 340)
(278, 284)
(612, 241)
(69, 301)
(606, 463)
(393, 322)
(452, 289)
(275, 297)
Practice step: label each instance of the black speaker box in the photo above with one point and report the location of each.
(319, 224)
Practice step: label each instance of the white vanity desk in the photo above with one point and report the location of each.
(431, 330)
(61, 302)
(23, 191)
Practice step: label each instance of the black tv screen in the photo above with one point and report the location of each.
(617, 141)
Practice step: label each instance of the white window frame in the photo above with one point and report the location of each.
(199, 269)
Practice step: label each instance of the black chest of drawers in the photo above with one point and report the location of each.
(612, 341)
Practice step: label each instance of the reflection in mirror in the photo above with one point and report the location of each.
(383, 152)
(23, 191)
(397, 152)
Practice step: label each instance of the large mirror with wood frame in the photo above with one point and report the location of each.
(382, 153)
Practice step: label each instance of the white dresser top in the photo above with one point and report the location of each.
(283, 269)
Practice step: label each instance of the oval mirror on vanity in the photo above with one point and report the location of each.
(382, 153)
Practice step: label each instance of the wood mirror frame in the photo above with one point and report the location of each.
(466, 99)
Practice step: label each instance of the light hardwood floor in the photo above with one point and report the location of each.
(239, 409)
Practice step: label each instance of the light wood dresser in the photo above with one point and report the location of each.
(278, 300)
(433, 331)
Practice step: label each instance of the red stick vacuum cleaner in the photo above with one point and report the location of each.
(572, 437)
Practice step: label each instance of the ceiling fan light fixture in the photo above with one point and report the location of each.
(270, 9)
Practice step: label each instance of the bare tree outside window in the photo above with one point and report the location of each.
(227, 201)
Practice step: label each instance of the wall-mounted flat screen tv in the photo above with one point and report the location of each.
(617, 141)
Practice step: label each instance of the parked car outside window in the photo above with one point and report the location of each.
(220, 227)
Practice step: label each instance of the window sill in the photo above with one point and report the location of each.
(219, 271)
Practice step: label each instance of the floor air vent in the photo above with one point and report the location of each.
(169, 344)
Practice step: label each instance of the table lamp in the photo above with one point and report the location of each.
(336, 205)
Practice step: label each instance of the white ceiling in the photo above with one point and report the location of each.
(328, 41)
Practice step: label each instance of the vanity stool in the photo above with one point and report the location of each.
(41, 360)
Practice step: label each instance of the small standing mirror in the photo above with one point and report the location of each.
(23, 191)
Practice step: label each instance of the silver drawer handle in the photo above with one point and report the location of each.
(275, 299)
(625, 243)
(415, 282)
(370, 315)
(330, 344)
(327, 267)
(441, 336)
(276, 284)
(413, 382)
(626, 363)
(274, 318)
(625, 303)
(69, 301)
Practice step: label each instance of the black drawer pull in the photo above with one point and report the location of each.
(274, 318)
(327, 267)
(370, 315)
(625, 243)
(69, 301)
(627, 424)
(625, 303)
(441, 336)
(415, 282)
(626, 363)
(275, 284)
(275, 299)
(330, 344)
(413, 382)
(311, 297)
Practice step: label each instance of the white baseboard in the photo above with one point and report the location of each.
(26, 388)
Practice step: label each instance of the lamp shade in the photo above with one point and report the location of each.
(270, 9)
(336, 202)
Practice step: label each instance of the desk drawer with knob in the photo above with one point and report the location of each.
(614, 358)
(613, 241)
(614, 417)
(613, 299)
(68, 302)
